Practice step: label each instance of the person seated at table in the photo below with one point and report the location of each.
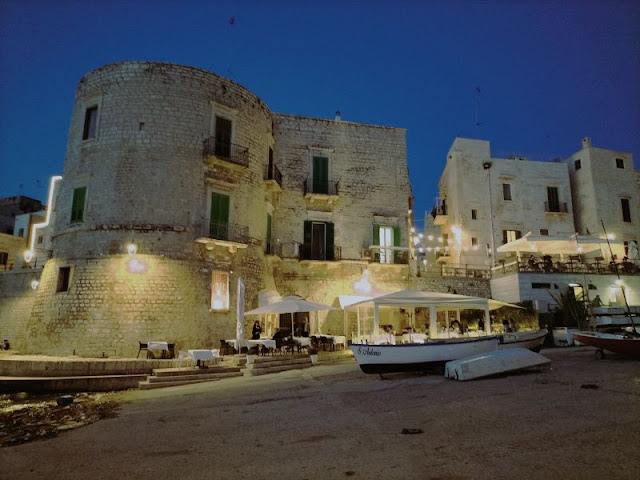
(256, 331)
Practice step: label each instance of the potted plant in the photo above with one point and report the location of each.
(251, 355)
(313, 353)
(571, 316)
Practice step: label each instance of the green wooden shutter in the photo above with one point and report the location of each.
(376, 234)
(330, 254)
(306, 246)
(320, 175)
(219, 221)
(396, 243)
(77, 205)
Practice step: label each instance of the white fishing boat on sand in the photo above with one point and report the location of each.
(530, 340)
(494, 363)
(418, 356)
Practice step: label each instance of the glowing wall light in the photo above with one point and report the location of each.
(363, 285)
(34, 284)
(132, 249)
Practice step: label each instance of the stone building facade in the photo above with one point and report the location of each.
(177, 183)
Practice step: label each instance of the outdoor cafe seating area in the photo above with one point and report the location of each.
(284, 345)
(567, 264)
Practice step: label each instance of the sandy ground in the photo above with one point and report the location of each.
(580, 419)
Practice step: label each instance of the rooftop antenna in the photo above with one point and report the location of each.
(476, 99)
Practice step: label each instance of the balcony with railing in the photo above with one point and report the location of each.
(555, 207)
(320, 192)
(228, 235)
(439, 213)
(273, 177)
(321, 255)
(394, 255)
(227, 151)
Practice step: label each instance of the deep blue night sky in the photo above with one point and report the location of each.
(533, 77)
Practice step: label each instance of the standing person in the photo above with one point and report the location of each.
(256, 331)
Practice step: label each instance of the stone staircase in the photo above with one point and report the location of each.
(170, 377)
(264, 365)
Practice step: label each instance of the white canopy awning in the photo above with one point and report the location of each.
(418, 298)
(554, 244)
(291, 304)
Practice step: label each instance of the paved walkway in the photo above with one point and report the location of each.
(578, 420)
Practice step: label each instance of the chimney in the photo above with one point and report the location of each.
(338, 116)
(586, 142)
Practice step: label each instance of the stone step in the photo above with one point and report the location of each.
(260, 363)
(194, 376)
(252, 372)
(174, 372)
(155, 382)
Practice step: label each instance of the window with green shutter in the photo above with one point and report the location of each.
(219, 219)
(320, 175)
(77, 205)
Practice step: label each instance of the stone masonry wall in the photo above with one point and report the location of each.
(369, 164)
(16, 302)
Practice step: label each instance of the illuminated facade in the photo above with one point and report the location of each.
(488, 208)
(177, 182)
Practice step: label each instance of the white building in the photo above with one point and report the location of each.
(539, 225)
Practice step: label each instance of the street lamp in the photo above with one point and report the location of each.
(487, 167)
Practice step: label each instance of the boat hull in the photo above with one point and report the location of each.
(417, 357)
(530, 340)
(494, 363)
(613, 343)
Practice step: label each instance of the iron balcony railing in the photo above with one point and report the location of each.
(226, 150)
(273, 173)
(396, 257)
(272, 248)
(229, 231)
(320, 187)
(555, 207)
(439, 210)
(556, 265)
(337, 255)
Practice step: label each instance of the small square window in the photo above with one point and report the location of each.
(64, 277)
(4, 258)
(40, 239)
(474, 241)
(474, 214)
(577, 164)
(619, 162)
(544, 231)
(90, 123)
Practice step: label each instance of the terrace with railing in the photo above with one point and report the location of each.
(573, 264)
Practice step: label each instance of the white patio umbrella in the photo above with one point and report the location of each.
(240, 312)
(290, 304)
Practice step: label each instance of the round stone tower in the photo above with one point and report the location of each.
(162, 206)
